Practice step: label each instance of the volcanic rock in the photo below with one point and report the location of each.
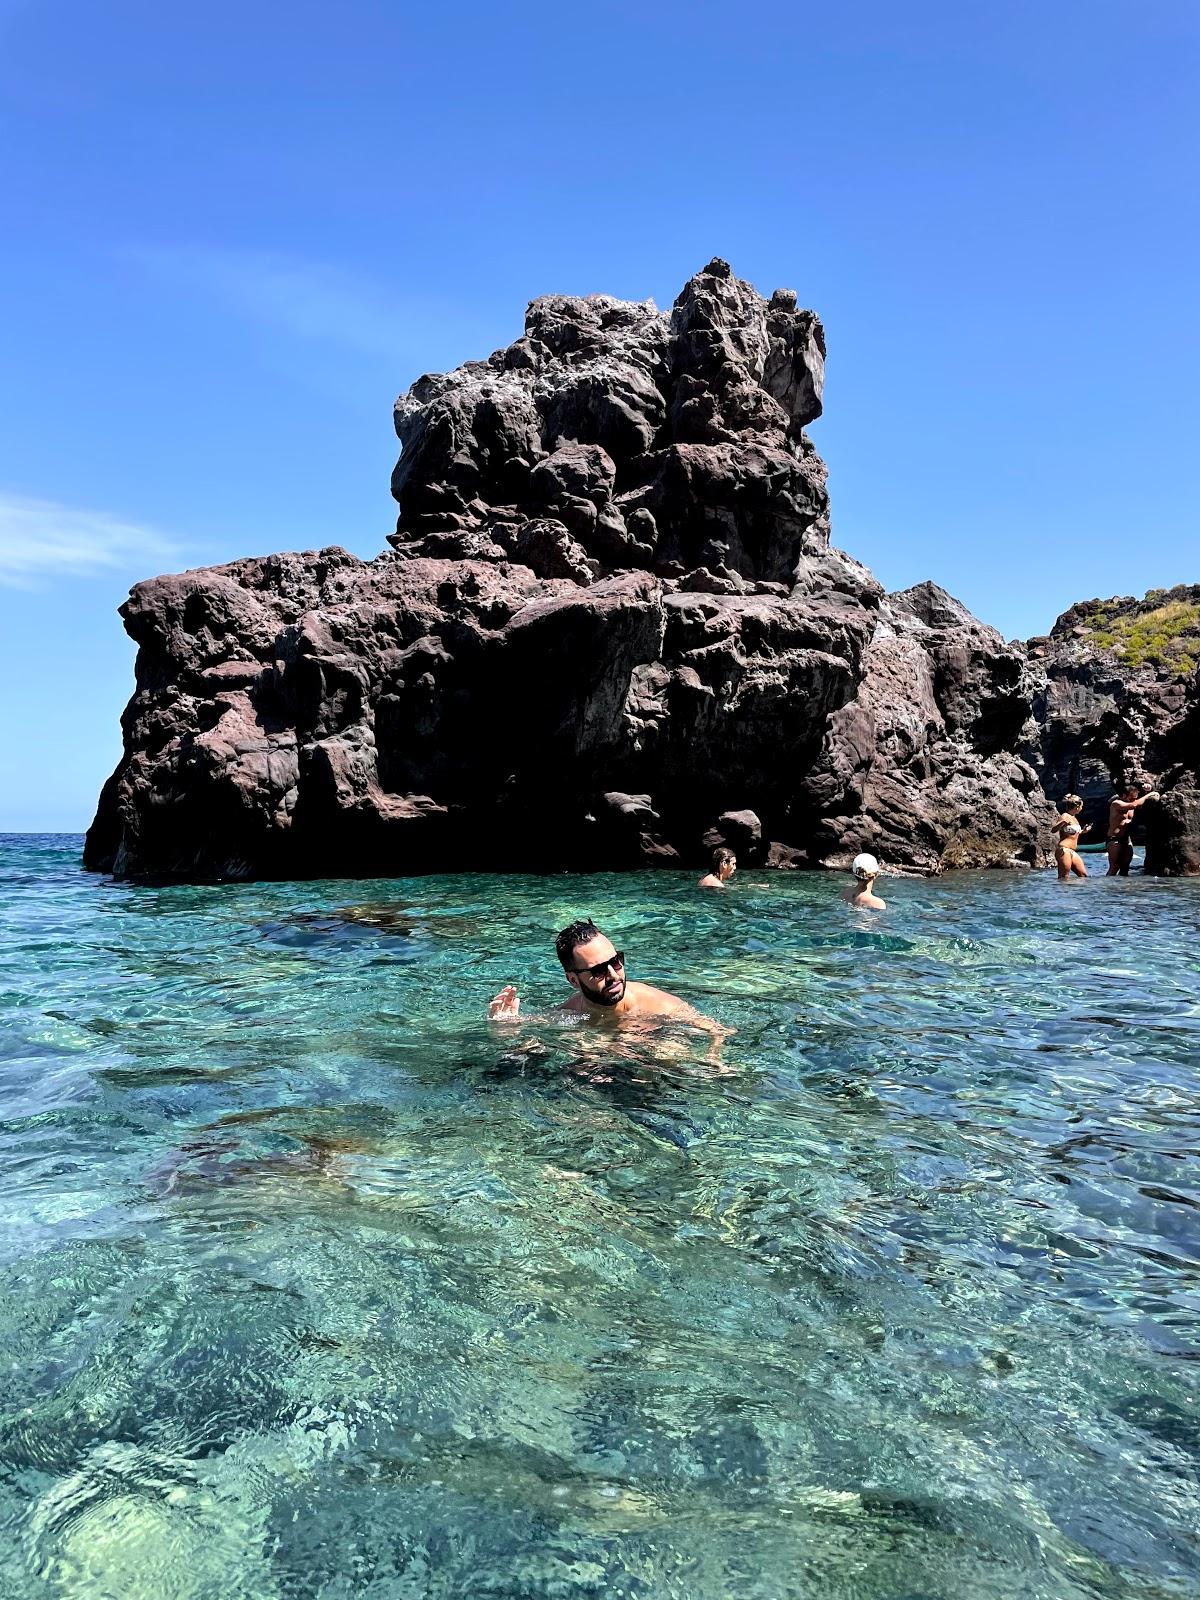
(918, 767)
(610, 627)
(1117, 700)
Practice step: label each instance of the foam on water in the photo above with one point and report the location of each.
(314, 1283)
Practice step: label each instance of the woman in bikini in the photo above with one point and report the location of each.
(1067, 830)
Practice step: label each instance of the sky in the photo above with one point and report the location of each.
(234, 233)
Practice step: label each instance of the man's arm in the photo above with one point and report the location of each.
(670, 1005)
(717, 1034)
(1124, 809)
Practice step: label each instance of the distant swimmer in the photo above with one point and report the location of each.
(1120, 819)
(1067, 829)
(724, 865)
(595, 969)
(862, 891)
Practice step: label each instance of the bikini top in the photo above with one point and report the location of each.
(1068, 830)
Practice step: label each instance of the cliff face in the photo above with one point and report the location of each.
(611, 630)
(1117, 697)
(920, 764)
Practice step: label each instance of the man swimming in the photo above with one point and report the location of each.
(1120, 818)
(595, 969)
(724, 865)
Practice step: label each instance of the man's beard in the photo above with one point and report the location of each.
(603, 998)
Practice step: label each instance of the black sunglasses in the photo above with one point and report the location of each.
(617, 961)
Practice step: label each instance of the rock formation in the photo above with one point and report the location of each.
(1117, 696)
(611, 631)
(919, 766)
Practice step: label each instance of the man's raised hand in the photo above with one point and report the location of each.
(506, 1004)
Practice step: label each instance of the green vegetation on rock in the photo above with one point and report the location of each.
(1166, 636)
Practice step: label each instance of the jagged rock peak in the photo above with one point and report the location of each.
(934, 606)
(613, 436)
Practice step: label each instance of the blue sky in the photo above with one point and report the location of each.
(235, 232)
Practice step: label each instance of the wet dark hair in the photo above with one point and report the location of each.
(721, 855)
(572, 936)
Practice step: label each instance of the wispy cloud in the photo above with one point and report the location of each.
(41, 539)
(312, 304)
(307, 299)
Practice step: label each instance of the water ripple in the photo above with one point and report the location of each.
(313, 1284)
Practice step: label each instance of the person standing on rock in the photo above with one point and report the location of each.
(862, 891)
(1120, 819)
(1068, 829)
(595, 969)
(724, 865)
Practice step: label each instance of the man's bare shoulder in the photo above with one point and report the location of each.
(649, 1001)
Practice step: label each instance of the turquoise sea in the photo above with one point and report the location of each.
(313, 1283)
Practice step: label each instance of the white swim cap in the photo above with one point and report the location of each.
(864, 866)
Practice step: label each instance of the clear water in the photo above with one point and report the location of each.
(313, 1283)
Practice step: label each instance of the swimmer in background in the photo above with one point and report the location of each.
(862, 891)
(724, 865)
(603, 994)
(1068, 829)
(1120, 818)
